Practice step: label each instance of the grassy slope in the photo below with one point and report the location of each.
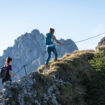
(86, 72)
(78, 79)
(74, 69)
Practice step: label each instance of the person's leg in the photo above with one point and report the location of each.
(49, 55)
(55, 53)
(3, 81)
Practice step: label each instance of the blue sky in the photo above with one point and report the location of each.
(75, 19)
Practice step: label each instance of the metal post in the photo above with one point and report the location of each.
(25, 69)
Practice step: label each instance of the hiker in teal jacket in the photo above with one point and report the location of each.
(50, 45)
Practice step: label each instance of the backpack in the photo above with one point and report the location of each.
(3, 72)
(48, 39)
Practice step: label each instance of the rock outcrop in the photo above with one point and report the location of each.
(102, 42)
(62, 84)
(75, 79)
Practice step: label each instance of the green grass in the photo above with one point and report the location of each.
(79, 78)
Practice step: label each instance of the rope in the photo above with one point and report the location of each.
(89, 38)
(35, 59)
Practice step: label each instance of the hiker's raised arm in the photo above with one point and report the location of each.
(54, 38)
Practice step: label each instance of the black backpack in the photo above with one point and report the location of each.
(3, 72)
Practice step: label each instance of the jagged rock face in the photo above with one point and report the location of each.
(102, 42)
(30, 50)
(33, 89)
(62, 84)
(75, 79)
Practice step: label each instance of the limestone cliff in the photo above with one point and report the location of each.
(75, 79)
(60, 85)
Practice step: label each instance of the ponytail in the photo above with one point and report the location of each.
(8, 60)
